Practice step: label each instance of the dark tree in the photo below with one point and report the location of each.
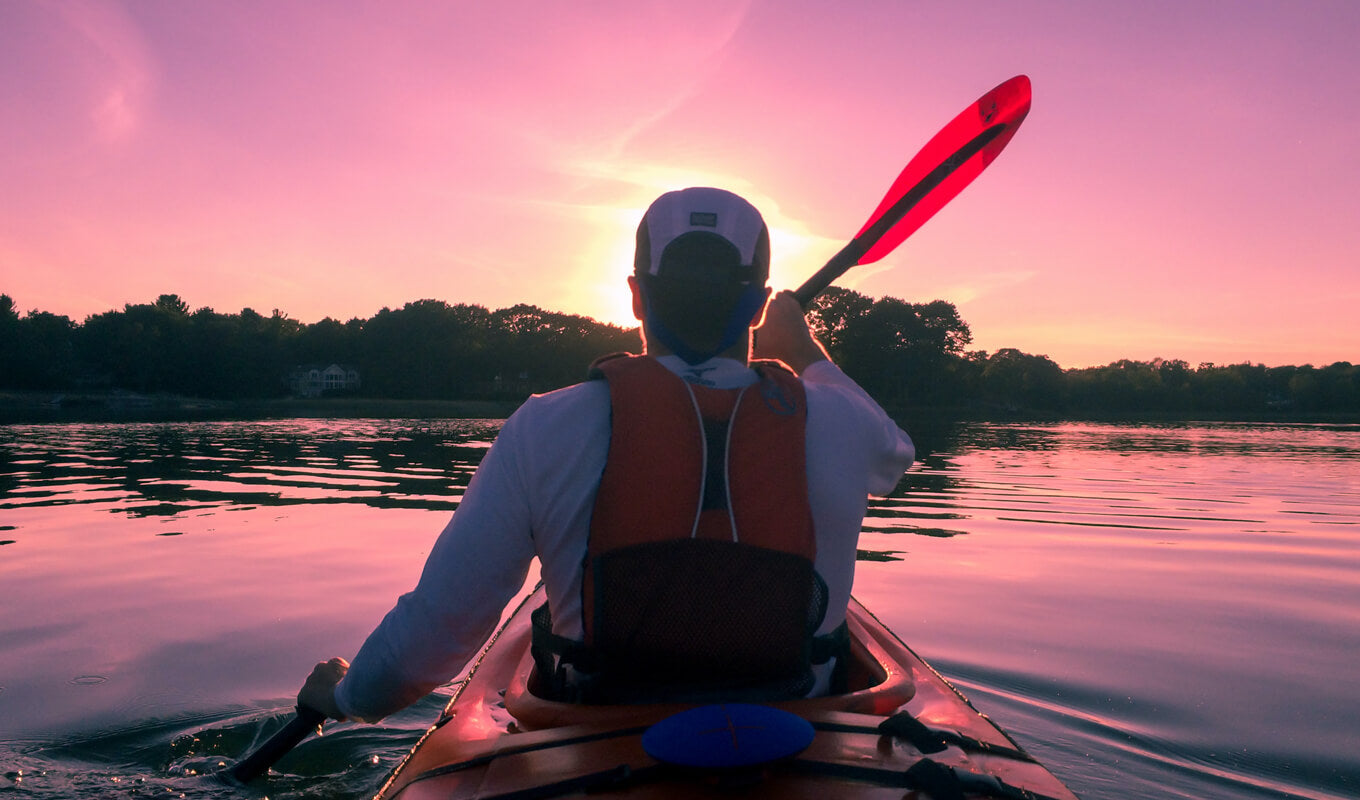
(902, 353)
(898, 351)
(425, 349)
(1016, 380)
(37, 351)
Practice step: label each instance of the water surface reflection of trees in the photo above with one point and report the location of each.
(163, 469)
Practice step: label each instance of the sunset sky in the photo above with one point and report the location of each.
(1187, 184)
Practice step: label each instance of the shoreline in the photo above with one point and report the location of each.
(36, 408)
(945, 415)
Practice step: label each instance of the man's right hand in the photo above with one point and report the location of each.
(784, 335)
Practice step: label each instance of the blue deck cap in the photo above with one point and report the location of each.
(727, 735)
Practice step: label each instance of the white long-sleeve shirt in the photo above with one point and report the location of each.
(533, 494)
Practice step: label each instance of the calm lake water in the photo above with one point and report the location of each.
(1158, 611)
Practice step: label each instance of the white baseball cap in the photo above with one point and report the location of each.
(703, 235)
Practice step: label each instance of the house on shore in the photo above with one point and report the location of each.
(315, 380)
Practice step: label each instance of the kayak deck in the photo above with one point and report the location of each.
(902, 727)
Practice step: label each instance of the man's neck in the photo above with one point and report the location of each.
(740, 352)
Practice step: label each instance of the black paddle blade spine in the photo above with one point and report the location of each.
(851, 254)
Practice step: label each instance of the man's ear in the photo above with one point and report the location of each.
(760, 315)
(639, 302)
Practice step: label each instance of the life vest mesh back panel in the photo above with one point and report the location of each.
(697, 619)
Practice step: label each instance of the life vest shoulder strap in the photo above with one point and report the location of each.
(652, 479)
(596, 371)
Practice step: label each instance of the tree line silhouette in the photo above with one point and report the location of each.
(905, 354)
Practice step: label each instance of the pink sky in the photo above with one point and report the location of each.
(1185, 186)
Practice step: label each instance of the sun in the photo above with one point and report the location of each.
(601, 274)
(617, 303)
(598, 286)
(614, 297)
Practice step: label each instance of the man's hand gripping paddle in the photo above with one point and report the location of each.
(948, 162)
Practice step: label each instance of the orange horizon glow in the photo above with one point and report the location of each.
(1183, 189)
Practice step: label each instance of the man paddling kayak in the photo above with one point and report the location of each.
(695, 515)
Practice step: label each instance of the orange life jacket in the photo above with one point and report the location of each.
(698, 579)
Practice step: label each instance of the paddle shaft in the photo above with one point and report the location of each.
(306, 722)
(851, 254)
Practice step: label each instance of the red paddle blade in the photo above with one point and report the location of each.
(948, 162)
